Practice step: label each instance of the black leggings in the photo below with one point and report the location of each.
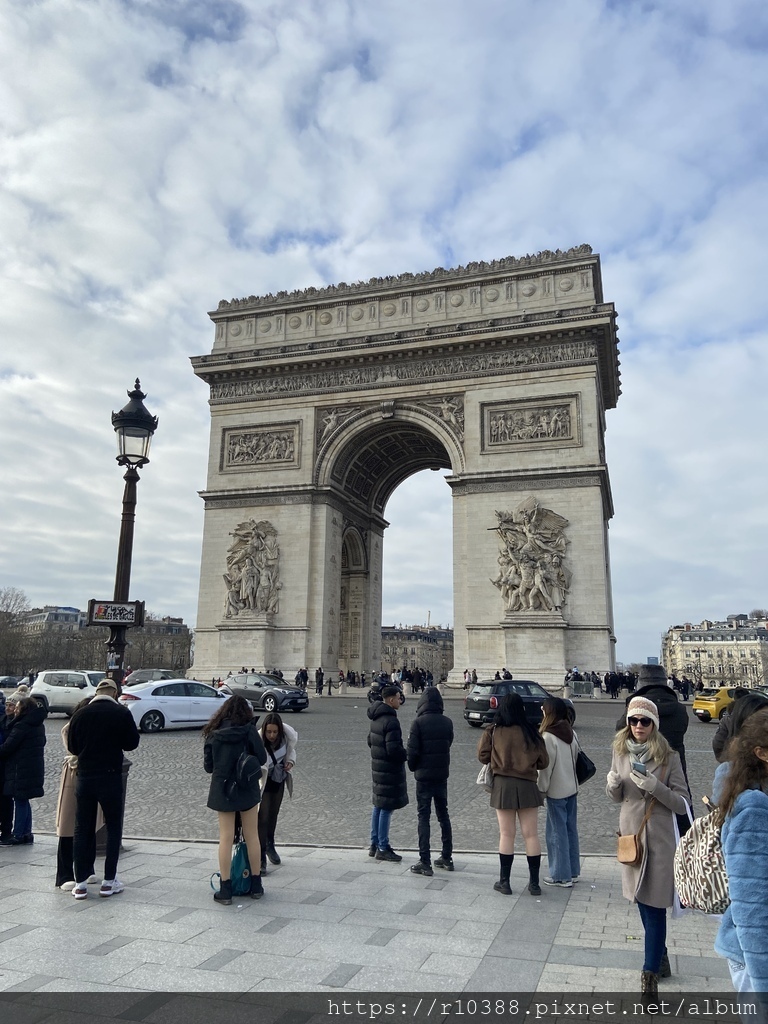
(269, 809)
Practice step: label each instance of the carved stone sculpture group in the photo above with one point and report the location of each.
(532, 574)
(252, 576)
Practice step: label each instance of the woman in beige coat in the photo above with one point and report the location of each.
(66, 807)
(644, 769)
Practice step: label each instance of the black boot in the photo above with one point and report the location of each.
(224, 895)
(665, 970)
(649, 983)
(505, 866)
(257, 889)
(534, 866)
(272, 853)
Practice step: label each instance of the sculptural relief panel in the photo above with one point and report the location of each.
(277, 446)
(530, 423)
(253, 571)
(532, 571)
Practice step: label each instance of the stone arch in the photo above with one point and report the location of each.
(369, 456)
(501, 373)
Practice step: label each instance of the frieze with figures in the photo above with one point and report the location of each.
(530, 423)
(532, 574)
(262, 447)
(460, 365)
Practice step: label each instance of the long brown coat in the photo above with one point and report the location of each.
(651, 882)
(67, 802)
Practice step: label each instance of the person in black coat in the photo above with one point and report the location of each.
(23, 760)
(429, 758)
(231, 733)
(99, 732)
(388, 756)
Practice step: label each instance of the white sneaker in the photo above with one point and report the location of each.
(67, 886)
(111, 888)
(561, 885)
(80, 891)
(92, 880)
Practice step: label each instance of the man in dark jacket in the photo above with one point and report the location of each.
(429, 758)
(385, 738)
(98, 735)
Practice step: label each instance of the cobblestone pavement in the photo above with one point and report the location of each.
(167, 787)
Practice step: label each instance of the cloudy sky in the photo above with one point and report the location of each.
(159, 155)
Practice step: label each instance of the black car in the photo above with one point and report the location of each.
(268, 692)
(481, 704)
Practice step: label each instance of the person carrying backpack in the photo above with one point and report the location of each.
(229, 734)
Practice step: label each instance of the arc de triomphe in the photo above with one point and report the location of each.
(323, 401)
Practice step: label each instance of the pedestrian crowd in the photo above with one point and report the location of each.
(527, 768)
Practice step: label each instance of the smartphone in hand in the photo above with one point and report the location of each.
(638, 766)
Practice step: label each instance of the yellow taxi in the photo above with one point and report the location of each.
(711, 704)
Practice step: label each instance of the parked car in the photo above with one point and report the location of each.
(148, 675)
(62, 689)
(268, 692)
(172, 703)
(9, 682)
(482, 702)
(711, 704)
(93, 674)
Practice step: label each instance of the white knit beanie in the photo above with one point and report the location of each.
(643, 708)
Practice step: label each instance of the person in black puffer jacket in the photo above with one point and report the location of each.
(230, 733)
(385, 738)
(429, 758)
(23, 760)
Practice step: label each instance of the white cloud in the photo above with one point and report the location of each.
(155, 158)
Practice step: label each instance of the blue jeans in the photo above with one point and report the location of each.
(655, 924)
(562, 839)
(22, 825)
(380, 820)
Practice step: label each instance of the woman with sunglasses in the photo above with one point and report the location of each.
(644, 769)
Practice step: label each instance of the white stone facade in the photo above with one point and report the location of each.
(324, 401)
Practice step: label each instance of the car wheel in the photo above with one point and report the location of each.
(270, 703)
(153, 721)
(721, 716)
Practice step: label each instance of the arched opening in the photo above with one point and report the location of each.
(364, 468)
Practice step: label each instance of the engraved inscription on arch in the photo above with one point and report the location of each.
(531, 423)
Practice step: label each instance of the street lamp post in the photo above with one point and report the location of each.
(134, 427)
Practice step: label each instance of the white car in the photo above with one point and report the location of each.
(171, 704)
(63, 689)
